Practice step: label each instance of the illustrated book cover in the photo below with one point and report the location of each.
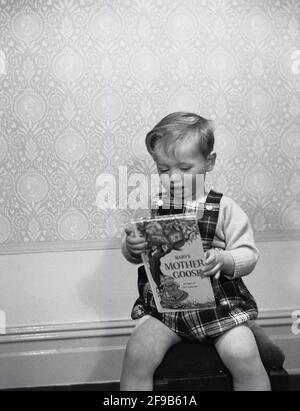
(173, 262)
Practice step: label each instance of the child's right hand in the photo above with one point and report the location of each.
(135, 245)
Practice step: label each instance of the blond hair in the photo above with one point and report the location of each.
(177, 127)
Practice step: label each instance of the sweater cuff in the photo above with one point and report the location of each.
(243, 263)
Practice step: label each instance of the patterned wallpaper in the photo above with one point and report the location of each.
(82, 81)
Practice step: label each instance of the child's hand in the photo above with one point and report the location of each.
(213, 264)
(135, 245)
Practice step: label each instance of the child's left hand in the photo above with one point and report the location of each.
(213, 264)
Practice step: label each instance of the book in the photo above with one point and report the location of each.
(173, 262)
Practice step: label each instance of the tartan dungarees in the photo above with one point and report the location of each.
(234, 303)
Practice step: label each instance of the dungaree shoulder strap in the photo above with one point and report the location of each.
(208, 223)
(214, 197)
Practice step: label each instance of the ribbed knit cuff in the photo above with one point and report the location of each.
(228, 264)
(244, 262)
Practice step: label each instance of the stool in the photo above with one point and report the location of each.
(190, 366)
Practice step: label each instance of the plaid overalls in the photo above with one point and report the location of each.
(234, 303)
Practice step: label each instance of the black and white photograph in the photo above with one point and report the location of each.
(149, 198)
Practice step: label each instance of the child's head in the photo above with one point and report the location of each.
(178, 128)
(182, 145)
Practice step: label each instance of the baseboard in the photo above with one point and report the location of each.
(108, 387)
(63, 354)
(294, 385)
(92, 353)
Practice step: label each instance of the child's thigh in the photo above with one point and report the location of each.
(237, 348)
(151, 339)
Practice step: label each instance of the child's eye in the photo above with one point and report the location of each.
(185, 168)
(163, 170)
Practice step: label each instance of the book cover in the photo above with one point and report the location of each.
(173, 262)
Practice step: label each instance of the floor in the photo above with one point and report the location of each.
(294, 386)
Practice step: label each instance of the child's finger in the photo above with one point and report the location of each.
(128, 231)
(211, 257)
(207, 268)
(136, 240)
(212, 271)
(207, 254)
(139, 247)
(209, 260)
(137, 251)
(218, 275)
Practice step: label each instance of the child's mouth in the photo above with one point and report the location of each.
(177, 192)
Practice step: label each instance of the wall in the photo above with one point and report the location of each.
(68, 313)
(84, 286)
(79, 87)
(81, 83)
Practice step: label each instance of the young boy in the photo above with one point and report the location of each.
(182, 145)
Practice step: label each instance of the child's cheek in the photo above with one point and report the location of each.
(198, 185)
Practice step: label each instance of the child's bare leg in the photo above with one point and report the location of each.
(144, 352)
(238, 350)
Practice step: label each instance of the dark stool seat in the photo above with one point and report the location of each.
(198, 367)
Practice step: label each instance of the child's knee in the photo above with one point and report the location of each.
(241, 354)
(142, 356)
(243, 360)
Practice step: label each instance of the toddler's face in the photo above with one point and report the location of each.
(182, 171)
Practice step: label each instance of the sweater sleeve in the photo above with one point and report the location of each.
(239, 239)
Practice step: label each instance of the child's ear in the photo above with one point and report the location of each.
(211, 160)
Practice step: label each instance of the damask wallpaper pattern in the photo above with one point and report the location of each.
(82, 81)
